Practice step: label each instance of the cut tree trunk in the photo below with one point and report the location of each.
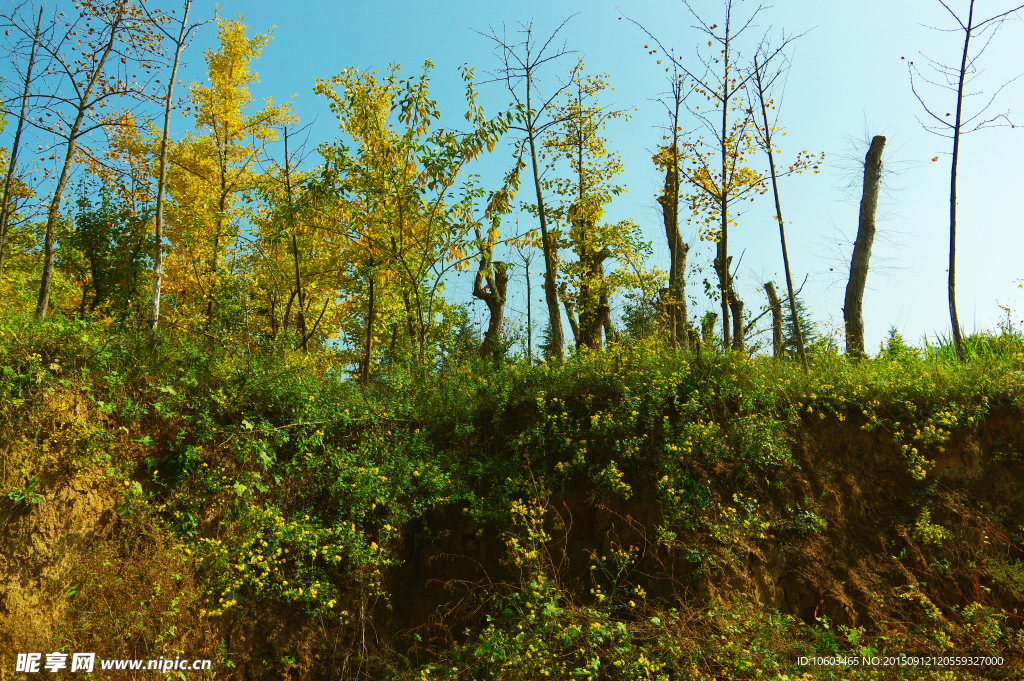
(557, 339)
(736, 308)
(853, 313)
(776, 307)
(494, 297)
(677, 316)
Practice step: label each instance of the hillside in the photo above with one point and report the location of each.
(634, 513)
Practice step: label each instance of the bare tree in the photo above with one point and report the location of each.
(88, 61)
(521, 62)
(179, 43)
(954, 79)
(7, 207)
(853, 314)
(526, 255)
(767, 88)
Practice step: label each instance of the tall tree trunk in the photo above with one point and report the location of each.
(776, 307)
(520, 62)
(797, 331)
(295, 247)
(301, 318)
(678, 321)
(158, 261)
(8, 204)
(52, 217)
(722, 247)
(853, 307)
(958, 339)
(529, 316)
(364, 370)
(557, 339)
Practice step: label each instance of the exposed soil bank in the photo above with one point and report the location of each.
(839, 533)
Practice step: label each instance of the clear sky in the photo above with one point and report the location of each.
(847, 81)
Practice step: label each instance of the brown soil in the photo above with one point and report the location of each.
(856, 480)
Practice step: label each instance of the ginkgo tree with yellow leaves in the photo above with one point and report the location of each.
(290, 267)
(215, 167)
(402, 198)
(717, 165)
(719, 174)
(582, 197)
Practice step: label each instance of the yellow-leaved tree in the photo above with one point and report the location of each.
(402, 200)
(291, 264)
(214, 169)
(583, 193)
(717, 163)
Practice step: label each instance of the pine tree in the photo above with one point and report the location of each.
(807, 328)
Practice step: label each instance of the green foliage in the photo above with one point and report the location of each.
(27, 495)
(927, 532)
(1008, 572)
(640, 315)
(895, 349)
(977, 346)
(111, 251)
(248, 476)
(460, 341)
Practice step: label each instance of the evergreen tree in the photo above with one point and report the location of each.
(807, 326)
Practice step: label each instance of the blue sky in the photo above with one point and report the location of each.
(847, 80)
